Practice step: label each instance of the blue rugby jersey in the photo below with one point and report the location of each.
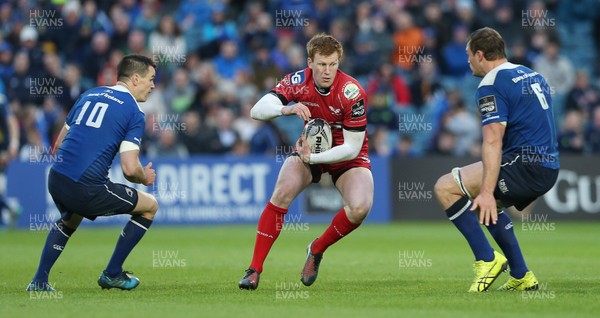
(100, 120)
(520, 97)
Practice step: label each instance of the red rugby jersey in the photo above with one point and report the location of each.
(343, 105)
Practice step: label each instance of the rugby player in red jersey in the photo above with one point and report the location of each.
(320, 91)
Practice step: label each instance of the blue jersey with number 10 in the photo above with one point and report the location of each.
(100, 120)
(520, 97)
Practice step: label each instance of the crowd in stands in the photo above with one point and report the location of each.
(217, 58)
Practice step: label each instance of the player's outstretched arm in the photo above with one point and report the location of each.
(133, 170)
(269, 107)
(353, 141)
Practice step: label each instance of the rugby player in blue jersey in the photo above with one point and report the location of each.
(103, 122)
(519, 162)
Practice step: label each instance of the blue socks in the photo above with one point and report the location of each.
(55, 243)
(467, 223)
(504, 235)
(132, 233)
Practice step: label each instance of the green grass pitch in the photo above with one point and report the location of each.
(398, 270)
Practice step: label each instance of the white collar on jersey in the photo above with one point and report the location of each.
(124, 89)
(490, 77)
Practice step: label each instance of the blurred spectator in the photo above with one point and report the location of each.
(216, 30)
(97, 55)
(386, 82)
(264, 67)
(455, 65)
(258, 34)
(408, 40)
(467, 16)
(424, 84)
(323, 14)
(343, 9)
(155, 104)
(131, 7)
(575, 25)
(227, 135)
(340, 29)
(506, 25)
(518, 55)
(592, 133)
(365, 57)
(571, 138)
(22, 85)
(94, 20)
(122, 26)
(241, 90)
(583, 96)
(438, 22)
(180, 92)
(444, 144)
(167, 44)
(279, 54)
(245, 126)
(229, 62)
(6, 63)
(9, 131)
(191, 15)
(137, 43)
(464, 126)
(488, 10)
(108, 74)
(362, 18)
(267, 139)
(75, 86)
(28, 38)
(9, 19)
(71, 37)
(380, 111)
(380, 142)
(380, 38)
(198, 138)
(555, 68)
(167, 146)
(404, 148)
(148, 20)
(53, 71)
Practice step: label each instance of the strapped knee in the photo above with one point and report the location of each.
(458, 179)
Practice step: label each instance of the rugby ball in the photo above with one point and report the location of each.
(318, 135)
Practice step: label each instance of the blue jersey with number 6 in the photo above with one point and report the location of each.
(521, 98)
(101, 119)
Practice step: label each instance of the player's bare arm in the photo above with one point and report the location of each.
(61, 136)
(269, 107)
(133, 170)
(491, 159)
(298, 109)
(14, 131)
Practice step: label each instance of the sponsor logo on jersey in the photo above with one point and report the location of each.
(335, 111)
(298, 78)
(137, 139)
(311, 104)
(487, 105)
(351, 90)
(358, 109)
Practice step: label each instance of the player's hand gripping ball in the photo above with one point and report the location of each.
(318, 135)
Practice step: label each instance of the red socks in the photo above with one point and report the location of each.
(340, 226)
(269, 227)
